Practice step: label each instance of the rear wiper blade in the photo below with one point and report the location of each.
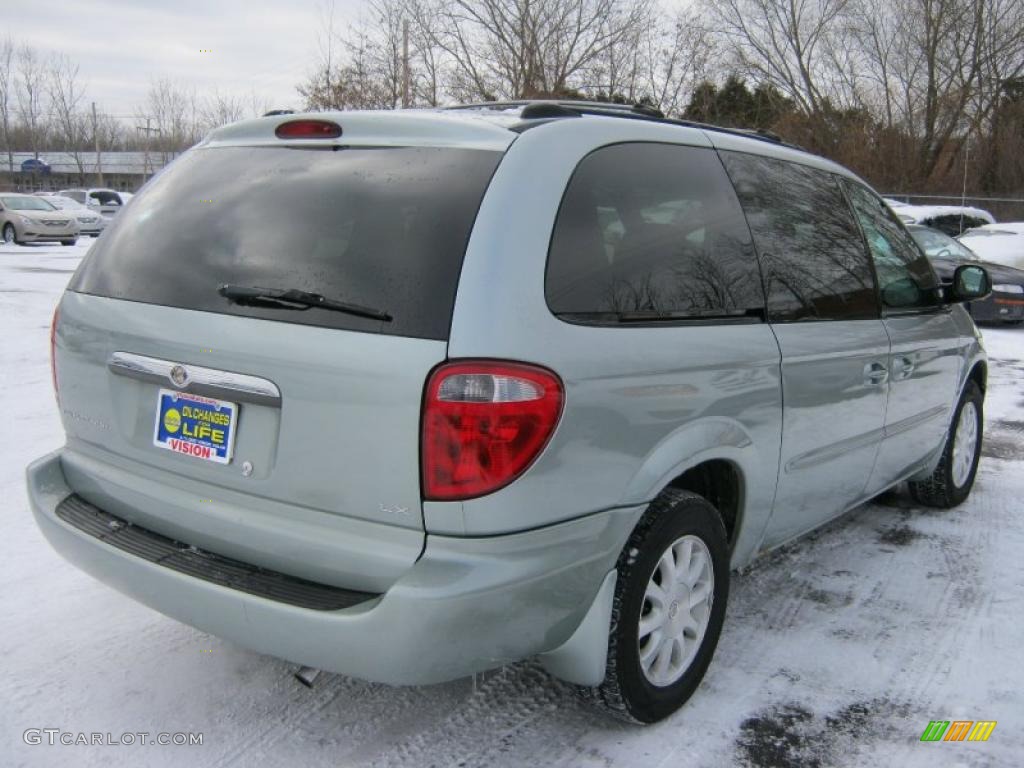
(292, 298)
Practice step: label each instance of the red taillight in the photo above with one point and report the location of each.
(483, 424)
(53, 351)
(308, 129)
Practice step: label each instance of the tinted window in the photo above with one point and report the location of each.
(651, 228)
(102, 197)
(812, 253)
(905, 278)
(953, 224)
(384, 228)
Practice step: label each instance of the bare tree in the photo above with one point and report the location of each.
(1001, 54)
(791, 44)
(256, 105)
(473, 49)
(674, 56)
(31, 94)
(936, 68)
(658, 63)
(219, 109)
(110, 132)
(427, 59)
(170, 114)
(529, 48)
(317, 86)
(6, 98)
(70, 125)
(362, 66)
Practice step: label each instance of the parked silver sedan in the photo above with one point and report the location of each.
(27, 219)
(90, 222)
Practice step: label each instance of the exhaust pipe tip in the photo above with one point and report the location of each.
(307, 676)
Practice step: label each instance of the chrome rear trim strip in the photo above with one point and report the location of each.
(209, 382)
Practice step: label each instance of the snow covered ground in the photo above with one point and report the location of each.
(836, 651)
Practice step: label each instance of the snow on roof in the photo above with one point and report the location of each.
(1017, 227)
(922, 213)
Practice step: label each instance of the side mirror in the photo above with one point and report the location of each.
(970, 282)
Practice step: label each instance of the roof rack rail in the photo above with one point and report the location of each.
(535, 104)
(550, 109)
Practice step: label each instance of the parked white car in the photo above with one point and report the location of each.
(1001, 243)
(90, 221)
(106, 201)
(950, 219)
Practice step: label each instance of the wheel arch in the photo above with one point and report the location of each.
(979, 375)
(716, 458)
(722, 483)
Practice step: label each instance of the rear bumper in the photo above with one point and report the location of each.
(999, 308)
(468, 604)
(47, 237)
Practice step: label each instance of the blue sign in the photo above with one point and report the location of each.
(195, 426)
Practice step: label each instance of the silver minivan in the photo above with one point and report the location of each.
(412, 395)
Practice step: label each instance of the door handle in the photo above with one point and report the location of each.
(875, 373)
(902, 368)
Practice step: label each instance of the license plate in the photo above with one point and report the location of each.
(195, 426)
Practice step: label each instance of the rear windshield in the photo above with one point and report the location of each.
(384, 228)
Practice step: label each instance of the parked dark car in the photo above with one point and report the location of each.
(1006, 302)
(35, 165)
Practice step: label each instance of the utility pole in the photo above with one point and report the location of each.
(145, 163)
(963, 194)
(405, 64)
(96, 145)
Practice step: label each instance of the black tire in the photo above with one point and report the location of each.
(939, 490)
(69, 242)
(626, 692)
(9, 234)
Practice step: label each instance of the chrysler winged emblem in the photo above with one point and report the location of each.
(179, 376)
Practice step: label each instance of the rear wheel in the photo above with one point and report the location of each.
(951, 482)
(69, 242)
(670, 597)
(10, 236)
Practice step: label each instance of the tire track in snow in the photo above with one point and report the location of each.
(508, 701)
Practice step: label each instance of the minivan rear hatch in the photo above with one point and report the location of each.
(256, 396)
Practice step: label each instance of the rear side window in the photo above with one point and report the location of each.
(953, 224)
(651, 228)
(906, 279)
(813, 256)
(103, 197)
(383, 228)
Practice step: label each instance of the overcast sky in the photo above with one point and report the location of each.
(121, 45)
